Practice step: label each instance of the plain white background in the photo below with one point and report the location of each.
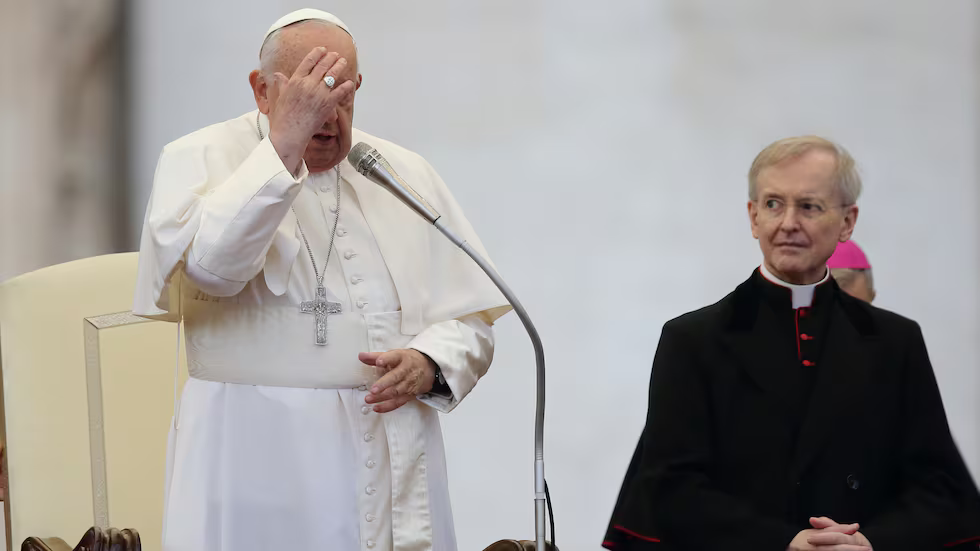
(600, 150)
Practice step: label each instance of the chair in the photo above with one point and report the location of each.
(86, 403)
(96, 539)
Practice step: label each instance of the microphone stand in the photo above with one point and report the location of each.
(539, 485)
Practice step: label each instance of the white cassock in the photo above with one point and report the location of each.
(273, 446)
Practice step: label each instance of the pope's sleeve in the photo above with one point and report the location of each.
(463, 350)
(215, 229)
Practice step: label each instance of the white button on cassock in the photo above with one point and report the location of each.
(369, 517)
(368, 437)
(370, 491)
(365, 409)
(370, 464)
(370, 544)
(324, 188)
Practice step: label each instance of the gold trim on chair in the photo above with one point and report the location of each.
(93, 378)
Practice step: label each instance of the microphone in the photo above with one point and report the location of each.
(367, 161)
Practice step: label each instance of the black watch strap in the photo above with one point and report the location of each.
(440, 384)
(440, 387)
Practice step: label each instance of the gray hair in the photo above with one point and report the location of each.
(272, 47)
(846, 173)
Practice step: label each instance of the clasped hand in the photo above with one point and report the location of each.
(408, 373)
(827, 535)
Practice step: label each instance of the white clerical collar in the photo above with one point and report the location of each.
(323, 182)
(802, 294)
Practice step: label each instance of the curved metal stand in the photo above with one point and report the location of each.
(539, 487)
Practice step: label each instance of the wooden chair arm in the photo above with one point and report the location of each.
(45, 544)
(95, 539)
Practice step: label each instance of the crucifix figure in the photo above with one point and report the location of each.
(320, 307)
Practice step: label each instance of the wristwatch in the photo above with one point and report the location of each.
(440, 387)
(440, 380)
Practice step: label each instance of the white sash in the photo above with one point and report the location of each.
(274, 346)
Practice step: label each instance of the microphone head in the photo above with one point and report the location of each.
(362, 157)
(370, 164)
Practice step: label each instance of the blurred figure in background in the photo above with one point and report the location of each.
(852, 271)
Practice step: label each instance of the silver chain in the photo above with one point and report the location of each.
(336, 219)
(333, 233)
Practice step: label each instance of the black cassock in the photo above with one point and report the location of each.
(762, 416)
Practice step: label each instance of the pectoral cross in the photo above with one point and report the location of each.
(320, 307)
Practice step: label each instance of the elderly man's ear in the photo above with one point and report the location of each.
(260, 90)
